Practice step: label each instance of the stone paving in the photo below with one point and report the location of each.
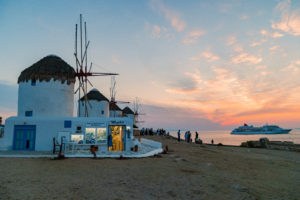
(143, 151)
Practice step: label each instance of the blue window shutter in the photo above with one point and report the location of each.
(68, 124)
(28, 113)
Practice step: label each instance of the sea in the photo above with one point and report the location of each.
(226, 138)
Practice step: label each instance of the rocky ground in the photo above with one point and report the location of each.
(187, 171)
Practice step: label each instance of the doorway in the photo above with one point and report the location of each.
(117, 137)
(24, 138)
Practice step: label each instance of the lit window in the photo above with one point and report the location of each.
(77, 138)
(28, 113)
(101, 135)
(68, 124)
(90, 135)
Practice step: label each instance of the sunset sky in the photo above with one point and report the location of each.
(192, 64)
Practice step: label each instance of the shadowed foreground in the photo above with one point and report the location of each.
(188, 171)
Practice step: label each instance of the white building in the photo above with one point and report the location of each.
(35, 133)
(45, 112)
(127, 112)
(97, 106)
(115, 110)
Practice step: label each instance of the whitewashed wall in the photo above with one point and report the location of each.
(115, 113)
(131, 116)
(95, 110)
(46, 99)
(47, 128)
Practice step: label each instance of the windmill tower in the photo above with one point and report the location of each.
(82, 71)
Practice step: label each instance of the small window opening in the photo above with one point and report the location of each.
(78, 128)
(68, 124)
(28, 113)
(33, 82)
(102, 112)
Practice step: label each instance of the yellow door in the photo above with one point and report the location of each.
(117, 138)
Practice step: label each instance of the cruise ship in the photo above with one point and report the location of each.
(266, 129)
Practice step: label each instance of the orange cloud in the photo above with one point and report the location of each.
(231, 40)
(169, 14)
(274, 48)
(158, 32)
(244, 17)
(290, 20)
(254, 44)
(192, 37)
(246, 58)
(208, 55)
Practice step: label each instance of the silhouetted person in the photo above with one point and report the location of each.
(212, 141)
(178, 135)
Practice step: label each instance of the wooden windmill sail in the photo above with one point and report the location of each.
(113, 103)
(82, 71)
(137, 112)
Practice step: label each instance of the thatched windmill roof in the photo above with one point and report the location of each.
(114, 107)
(127, 110)
(94, 94)
(49, 67)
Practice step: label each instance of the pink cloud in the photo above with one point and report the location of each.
(294, 66)
(254, 44)
(156, 31)
(231, 40)
(246, 58)
(208, 55)
(269, 34)
(238, 48)
(181, 91)
(192, 37)
(264, 32)
(244, 17)
(274, 48)
(289, 19)
(160, 32)
(169, 14)
(277, 35)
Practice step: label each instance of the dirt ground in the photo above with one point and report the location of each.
(188, 171)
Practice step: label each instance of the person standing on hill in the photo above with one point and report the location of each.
(189, 136)
(178, 135)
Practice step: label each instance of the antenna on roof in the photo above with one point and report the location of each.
(82, 72)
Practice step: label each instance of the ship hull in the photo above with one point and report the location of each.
(284, 131)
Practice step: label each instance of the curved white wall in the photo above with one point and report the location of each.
(46, 99)
(95, 110)
(115, 113)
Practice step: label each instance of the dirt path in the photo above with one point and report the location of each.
(188, 171)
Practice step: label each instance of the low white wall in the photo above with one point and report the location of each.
(151, 143)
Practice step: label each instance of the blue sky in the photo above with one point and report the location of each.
(223, 62)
